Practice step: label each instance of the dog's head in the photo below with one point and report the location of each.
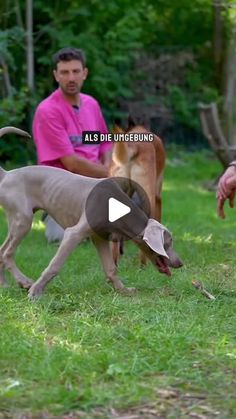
(156, 242)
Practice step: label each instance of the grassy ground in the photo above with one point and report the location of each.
(167, 352)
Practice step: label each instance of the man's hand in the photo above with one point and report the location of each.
(226, 190)
(221, 201)
(227, 182)
(106, 159)
(84, 167)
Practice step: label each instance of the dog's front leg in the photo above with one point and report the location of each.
(109, 267)
(72, 237)
(3, 282)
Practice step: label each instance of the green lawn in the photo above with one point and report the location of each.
(167, 352)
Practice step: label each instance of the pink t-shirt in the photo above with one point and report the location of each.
(58, 127)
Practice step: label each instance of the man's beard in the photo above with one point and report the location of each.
(71, 89)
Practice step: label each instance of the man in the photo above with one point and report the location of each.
(61, 118)
(226, 188)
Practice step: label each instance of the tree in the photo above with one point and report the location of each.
(229, 103)
(30, 45)
(122, 42)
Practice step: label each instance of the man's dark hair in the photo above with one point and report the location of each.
(68, 54)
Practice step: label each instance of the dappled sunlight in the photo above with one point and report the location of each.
(190, 237)
(76, 344)
(176, 162)
(169, 186)
(38, 225)
(197, 188)
(64, 342)
(207, 238)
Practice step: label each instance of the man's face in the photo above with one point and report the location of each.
(70, 76)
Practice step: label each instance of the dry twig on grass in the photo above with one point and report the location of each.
(199, 286)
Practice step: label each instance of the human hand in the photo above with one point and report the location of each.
(227, 183)
(226, 190)
(221, 201)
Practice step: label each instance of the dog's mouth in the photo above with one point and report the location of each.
(162, 266)
(161, 263)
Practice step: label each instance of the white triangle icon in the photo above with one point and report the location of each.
(116, 209)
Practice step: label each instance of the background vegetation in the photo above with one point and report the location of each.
(167, 352)
(155, 58)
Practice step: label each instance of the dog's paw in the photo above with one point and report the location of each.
(4, 284)
(25, 283)
(128, 291)
(35, 292)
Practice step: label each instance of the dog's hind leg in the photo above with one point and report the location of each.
(19, 226)
(109, 267)
(117, 247)
(115, 251)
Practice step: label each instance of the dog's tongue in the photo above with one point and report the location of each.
(166, 271)
(163, 268)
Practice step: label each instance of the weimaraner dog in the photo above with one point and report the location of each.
(64, 195)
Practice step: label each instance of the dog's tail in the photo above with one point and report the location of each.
(13, 130)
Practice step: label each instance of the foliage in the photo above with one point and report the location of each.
(14, 111)
(184, 103)
(115, 36)
(83, 347)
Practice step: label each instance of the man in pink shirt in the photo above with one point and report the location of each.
(61, 118)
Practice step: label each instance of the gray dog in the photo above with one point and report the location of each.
(64, 196)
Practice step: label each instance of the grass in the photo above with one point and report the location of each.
(167, 352)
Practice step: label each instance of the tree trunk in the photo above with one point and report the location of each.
(6, 77)
(18, 15)
(229, 108)
(218, 36)
(225, 65)
(30, 47)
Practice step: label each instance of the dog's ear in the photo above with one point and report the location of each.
(154, 237)
(131, 122)
(117, 129)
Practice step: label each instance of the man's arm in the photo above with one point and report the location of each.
(106, 159)
(52, 142)
(84, 167)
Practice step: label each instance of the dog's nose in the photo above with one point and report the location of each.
(177, 263)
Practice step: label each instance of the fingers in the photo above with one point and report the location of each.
(231, 199)
(221, 202)
(226, 190)
(222, 188)
(220, 207)
(227, 183)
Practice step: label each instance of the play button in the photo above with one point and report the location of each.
(116, 210)
(117, 206)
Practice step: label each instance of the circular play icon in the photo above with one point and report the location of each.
(117, 206)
